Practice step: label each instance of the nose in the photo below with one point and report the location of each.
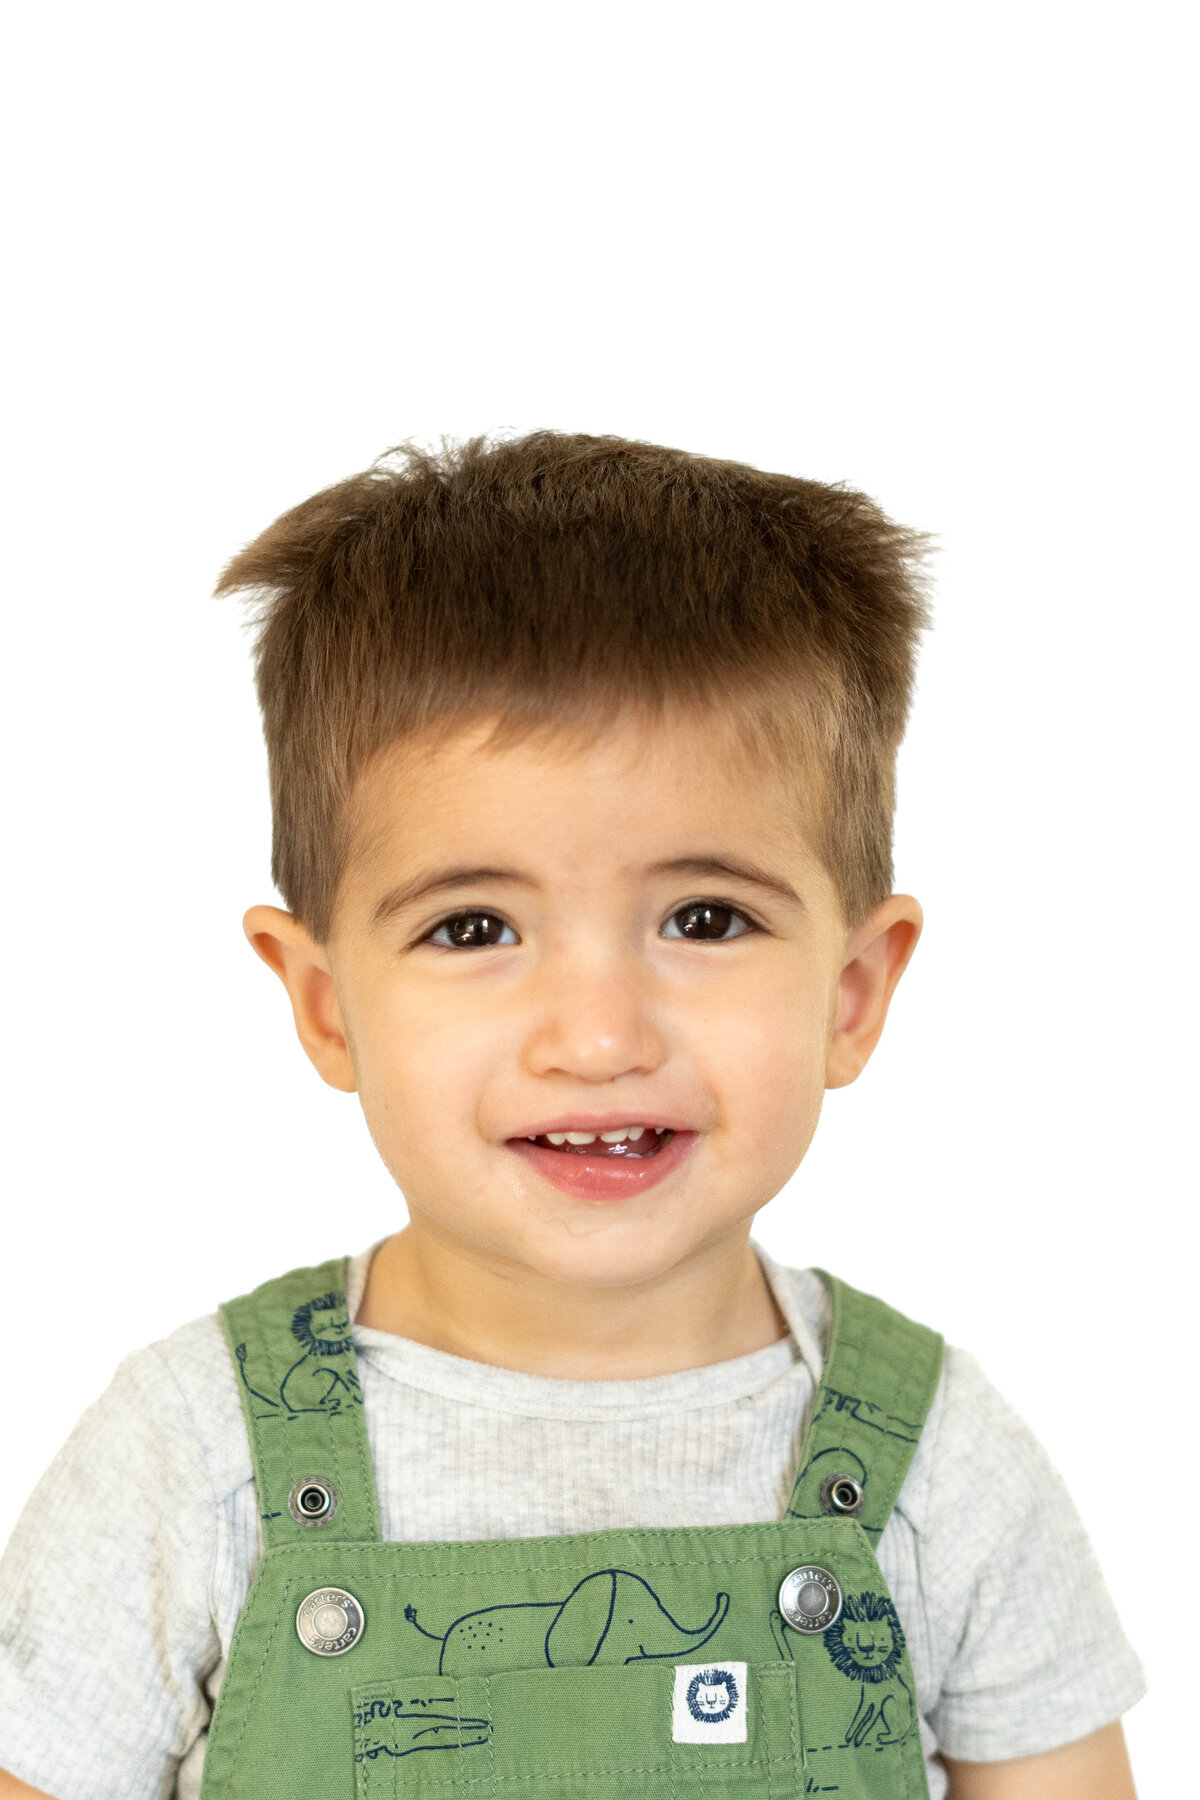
(594, 1020)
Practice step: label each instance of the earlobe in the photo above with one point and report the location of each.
(877, 954)
(303, 967)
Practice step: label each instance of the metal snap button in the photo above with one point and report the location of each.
(841, 1494)
(313, 1501)
(810, 1599)
(330, 1621)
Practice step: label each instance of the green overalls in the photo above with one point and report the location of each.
(690, 1663)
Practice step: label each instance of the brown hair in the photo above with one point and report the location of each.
(554, 580)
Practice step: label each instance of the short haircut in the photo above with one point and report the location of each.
(555, 582)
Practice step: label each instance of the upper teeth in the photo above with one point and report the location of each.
(630, 1132)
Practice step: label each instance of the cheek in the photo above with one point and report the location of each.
(422, 1068)
(764, 1053)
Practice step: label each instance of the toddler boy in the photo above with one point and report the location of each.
(581, 760)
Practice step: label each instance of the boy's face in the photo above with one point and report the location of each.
(631, 937)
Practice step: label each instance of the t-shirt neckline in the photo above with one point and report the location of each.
(473, 1383)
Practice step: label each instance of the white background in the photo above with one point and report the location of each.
(941, 252)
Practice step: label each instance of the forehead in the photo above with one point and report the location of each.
(637, 790)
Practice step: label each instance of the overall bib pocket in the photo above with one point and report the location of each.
(713, 1728)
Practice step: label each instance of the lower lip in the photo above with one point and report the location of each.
(605, 1177)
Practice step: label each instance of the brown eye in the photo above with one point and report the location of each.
(472, 931)
(706, 921)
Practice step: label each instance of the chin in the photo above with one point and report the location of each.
(606, 1252)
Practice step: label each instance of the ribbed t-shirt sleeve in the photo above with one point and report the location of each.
(1033, 1653)
(106, 1583)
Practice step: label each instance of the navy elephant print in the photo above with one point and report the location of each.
(866, 1643)
(611, 1616)
(321, 1379)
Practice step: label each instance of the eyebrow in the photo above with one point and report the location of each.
(397, 898)
(440, 880)
(701, 866)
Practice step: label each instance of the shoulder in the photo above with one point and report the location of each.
(172, 1413)
(193, 1373)
(185, 1389)
(133, 1507)
(975, 1452)
(972, 1441)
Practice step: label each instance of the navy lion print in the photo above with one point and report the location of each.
(866, 1643)
(321, 1379)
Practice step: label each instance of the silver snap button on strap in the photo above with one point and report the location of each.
(810, 1599)
(329, 1622)
(313, 1501)
(841, 1494)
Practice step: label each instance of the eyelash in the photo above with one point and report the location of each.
(749, 924)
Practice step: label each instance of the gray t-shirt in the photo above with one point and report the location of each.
(123, 1580)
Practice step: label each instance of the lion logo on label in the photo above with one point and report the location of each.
(712, 1695)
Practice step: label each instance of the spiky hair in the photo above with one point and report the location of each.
(555, 581)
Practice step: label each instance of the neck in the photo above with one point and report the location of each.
(714, 1306)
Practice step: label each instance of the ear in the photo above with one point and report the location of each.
(303, 967)
(876, 956)
(581, 1622)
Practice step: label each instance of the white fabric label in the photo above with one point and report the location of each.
(710, 1703)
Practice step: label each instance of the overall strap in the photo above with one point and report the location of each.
(296, 1368)
(881, 1373)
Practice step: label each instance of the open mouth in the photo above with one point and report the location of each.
(607, 1164)
(632, 1142)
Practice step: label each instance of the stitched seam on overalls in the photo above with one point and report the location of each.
(801, 1746)
(700, 1768)
(914, 1731)
(753, 1526)
(716, 1564)
(491, 1719)
(754, 1762)
(327, 1419)
(398, 1763)
(249, 1707)
(366, 1470)
(794, 1725)
(268, 1500)
(850, 1355)
(890, 1453)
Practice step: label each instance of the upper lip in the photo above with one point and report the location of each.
(603, 1122)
